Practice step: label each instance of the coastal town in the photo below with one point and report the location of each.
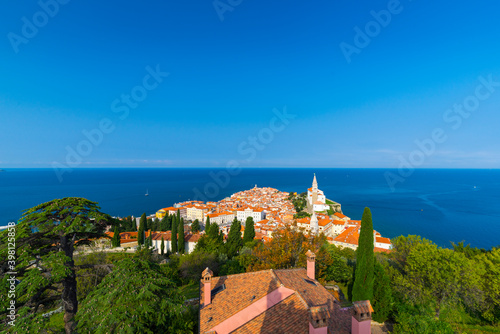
(270, 210)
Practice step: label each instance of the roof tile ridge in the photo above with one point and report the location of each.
(276, 277)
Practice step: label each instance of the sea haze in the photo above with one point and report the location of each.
(439, 204)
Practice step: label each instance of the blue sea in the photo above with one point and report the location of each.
(442, 205)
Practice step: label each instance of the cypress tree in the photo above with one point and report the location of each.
(163, 223)
(174, 235)
(115, 242)
(150, 239)
(363, 281)
(234, 242)
(162, 246)
(207, 224)
(142, 229)
(382, 294)
(169, 222)
(134, 224)
(181, 238)
(249, 233)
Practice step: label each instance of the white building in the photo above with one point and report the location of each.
(221, 218)
(316, 200)
(257, 214)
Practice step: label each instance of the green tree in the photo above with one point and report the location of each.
(234, 242)
(192, 265)
(212, 241)
(162, 246)
(142, 229)
(339, 269)
(174, 235)
(46, 237)
(150, 239)
(434, 276)
(249, 233)
(207, 224)
(133, 224)
(164, 223)
(181, 238)
(382, 294)
(115, 242)
(195, 226)
(137, 297)
(363, 282)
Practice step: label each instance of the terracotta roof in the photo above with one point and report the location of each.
(340, 215)
(383, 240)
(289, 311)
(324, 221)
(349, 236)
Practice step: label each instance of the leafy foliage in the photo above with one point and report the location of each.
(137, 297)
(195, 226)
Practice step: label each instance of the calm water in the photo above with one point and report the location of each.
(441, 205)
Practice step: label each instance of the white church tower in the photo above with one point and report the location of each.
(316, 200)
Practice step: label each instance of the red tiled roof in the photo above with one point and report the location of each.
(289, 315)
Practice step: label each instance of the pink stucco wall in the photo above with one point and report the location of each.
(321, 330)
(363, 327)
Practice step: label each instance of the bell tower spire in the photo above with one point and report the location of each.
(315, 183)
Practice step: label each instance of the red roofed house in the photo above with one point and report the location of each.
(274, 301)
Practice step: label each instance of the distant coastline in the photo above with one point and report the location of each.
(438, 204)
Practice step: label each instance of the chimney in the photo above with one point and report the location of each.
(310, 264)
(206, 278)
(361, 319)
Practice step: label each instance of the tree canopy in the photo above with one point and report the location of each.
(137, 297)
(46, 237)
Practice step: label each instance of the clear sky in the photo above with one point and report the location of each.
(352, 99)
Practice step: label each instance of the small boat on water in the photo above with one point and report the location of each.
(147, 193)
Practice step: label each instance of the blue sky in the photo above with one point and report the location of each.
(228, 79)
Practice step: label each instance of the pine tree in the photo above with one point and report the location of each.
(174, 235)
(181, 238)
(115, 242)
(162, 246)
(149, 223)
(234, 242)
(142, 229)
(249, 233)
(195, 226)
(363, 282)
(382, 294)
(207, 224)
